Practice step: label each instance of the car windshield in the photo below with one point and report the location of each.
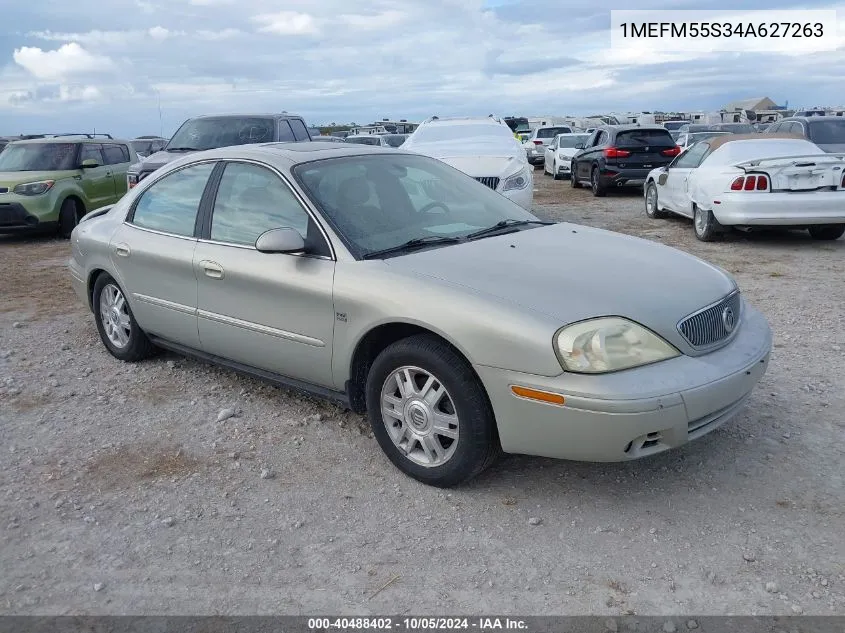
(381, 201)
(635, 138)
(142, 147)
(551, 132)
(572, 141)
(213, 132)
(827, 132)
(700, 136)
(735, 128)
(38, 157)
(395, 140)
(437, 133)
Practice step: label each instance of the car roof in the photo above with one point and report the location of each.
(572, 134)
(465, 119)
(813, 118)
(633, 126)
(71, 139)
(245, 115)
(294, 152)
(718, 141)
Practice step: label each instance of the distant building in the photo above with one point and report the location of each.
(758, 103)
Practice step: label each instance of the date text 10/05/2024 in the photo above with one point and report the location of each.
(481, 624)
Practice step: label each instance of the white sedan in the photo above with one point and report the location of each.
(752, 181)
(481, 147)
(557, 159)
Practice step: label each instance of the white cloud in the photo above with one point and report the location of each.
(286, 23)
(375, 21)
(66, 61)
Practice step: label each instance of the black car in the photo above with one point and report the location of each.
(622, 156)
(828, 132)
(213, 131)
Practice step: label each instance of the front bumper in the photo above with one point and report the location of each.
(632, 413)
(564, 167)
(26, 215)
(523, 197)
(780, 209)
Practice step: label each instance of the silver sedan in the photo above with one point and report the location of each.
(461, 324)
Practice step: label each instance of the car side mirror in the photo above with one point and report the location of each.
(90, 163)
(282, 240)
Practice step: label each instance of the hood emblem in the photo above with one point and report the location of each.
(728, 319)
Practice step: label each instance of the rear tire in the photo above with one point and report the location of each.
(68, 217)
(599, 190)
(453, 392)
(827, 232)
(705, 224)
(120, 333)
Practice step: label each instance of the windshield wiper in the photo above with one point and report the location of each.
(504, 224)
(417, 242)
(182, 149)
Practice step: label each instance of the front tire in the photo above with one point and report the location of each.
(652, 209)
(827, 232)
(68, 217)
(704, 224)
(120, 333)
(430, 413)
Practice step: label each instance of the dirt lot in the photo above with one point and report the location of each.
(121, 493)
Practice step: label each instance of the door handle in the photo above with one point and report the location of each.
(212, 269)
(122, 250)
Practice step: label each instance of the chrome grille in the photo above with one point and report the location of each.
(490, 181)
(709, 326)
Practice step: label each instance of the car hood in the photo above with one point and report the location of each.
(9, 179)
(571, 273)
(476, 159)
(567, 151)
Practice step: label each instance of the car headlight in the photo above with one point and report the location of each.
(607, 344)
(518, 181)
(34, 188)
(564, 157)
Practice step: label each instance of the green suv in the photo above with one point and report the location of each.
(50, 183)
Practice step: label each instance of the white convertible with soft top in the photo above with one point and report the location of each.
(752, 181)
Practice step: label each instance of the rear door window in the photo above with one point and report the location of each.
(115, 154)
(285, 132)
(300, 132)
(170, 205)
(91, 151)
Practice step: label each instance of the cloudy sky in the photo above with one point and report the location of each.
(108, 64)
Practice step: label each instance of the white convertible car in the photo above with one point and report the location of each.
(752, 180)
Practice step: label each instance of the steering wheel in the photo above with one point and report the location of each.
(432, 205)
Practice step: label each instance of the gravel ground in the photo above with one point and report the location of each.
(123, 493)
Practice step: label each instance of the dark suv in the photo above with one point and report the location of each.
(213, 131)
(622, 156)
(828, 132)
